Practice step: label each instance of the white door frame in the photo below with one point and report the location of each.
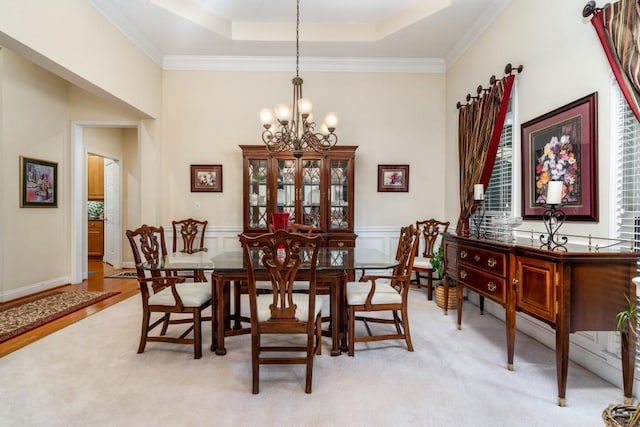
(78, 195)
(112, 226)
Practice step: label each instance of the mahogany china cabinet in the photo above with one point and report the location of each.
(316, 189)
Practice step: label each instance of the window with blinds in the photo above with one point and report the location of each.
(627, 178)
(497, 197)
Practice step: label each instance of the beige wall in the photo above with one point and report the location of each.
(37, 109)
(393, 118)
(73, 40)
(563, 61)
(33, 125)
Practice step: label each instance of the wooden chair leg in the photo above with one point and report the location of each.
(310, 356)
(407, 332)
(197, 334)
(351, 331)
(255, 366)
(429, 287)
(319, 335)
(145, 330)
(236, 304)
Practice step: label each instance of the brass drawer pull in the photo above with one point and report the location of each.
(463, 274)
(340, 244)
(463, 254)
(477, 258)
(491, 262)
(491, 286)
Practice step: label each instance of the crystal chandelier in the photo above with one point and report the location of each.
(291, 127)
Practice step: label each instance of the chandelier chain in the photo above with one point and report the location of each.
(292, 126)
(297, 36)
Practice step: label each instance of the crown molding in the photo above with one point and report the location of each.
(285, 63)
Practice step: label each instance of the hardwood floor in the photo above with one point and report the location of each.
(96, 282)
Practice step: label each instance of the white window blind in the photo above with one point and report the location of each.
(497, 198)
(627, 178)
(627, 182)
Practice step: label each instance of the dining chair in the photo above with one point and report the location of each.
(379, 293)
(280, 256)
(165, 293)
(265, 286)
(431, 231)
(191, 232)
(294, 227)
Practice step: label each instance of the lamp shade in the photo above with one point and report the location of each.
(305, 106)
(283, 112)
(331, 120)
(266, 116)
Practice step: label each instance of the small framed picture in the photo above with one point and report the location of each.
(38, 183)
(206, 178)
(393, 178)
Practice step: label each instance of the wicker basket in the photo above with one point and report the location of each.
(621, 416)
(439, 290)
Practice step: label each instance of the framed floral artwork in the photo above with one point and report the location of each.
(206, 178)
(38, 183)
(562, 146)
(393, 178)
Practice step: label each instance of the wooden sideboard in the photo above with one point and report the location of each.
(576, 290)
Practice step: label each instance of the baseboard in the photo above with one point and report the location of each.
(33, 289)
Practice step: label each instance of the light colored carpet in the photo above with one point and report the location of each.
(89, 374)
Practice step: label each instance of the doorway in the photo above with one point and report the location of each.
(113, 191)
(103, 209)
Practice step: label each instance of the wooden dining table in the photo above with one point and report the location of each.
(335, 267)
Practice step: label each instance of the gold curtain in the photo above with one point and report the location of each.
(479, 128)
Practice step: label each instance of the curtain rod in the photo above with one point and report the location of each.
(508, 69)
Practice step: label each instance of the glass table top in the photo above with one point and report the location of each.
(232, 259)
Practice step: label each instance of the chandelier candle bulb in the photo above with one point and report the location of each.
(331, 119)
(478, 192)
(283, 112)
(305, 106)
(554, 192)
(266, 117)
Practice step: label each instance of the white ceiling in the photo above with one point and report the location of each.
(428, 31)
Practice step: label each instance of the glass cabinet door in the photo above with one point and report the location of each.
(258, 193)
(286, 188)
(311, 192)
(339, 208)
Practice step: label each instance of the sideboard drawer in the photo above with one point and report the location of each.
(489, 285)
(489, 261)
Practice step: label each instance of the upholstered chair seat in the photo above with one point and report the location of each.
(191, 294)
(300, 300)
(357, 293)
(421, 262)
